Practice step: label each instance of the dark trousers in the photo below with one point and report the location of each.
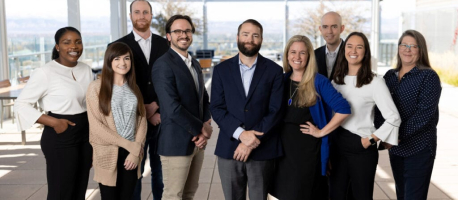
(125, 181)
(68, 158)
(412, 174)
(236, 175)
(157, 185)
(352, 166)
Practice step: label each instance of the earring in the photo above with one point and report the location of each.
(57, 50)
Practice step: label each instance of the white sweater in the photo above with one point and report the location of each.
(362, 101)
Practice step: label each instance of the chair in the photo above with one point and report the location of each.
(7, 83)
(225, 58)
(205, 63)
(3, 84)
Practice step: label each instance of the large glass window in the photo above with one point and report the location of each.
(95, 30)
(225, 17)
(30, 33)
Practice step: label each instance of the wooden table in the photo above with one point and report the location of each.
(11, 93)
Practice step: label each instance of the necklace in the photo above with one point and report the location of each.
(290, 100)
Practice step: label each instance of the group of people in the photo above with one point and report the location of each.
(307, 130)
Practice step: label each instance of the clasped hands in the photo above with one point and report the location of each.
(249, 141)
(206, 133)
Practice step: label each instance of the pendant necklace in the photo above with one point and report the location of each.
(290, 100)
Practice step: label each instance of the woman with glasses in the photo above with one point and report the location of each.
(416, 89)
(354, 154)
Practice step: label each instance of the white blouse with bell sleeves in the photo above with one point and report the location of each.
(362, 101)
(57, 88)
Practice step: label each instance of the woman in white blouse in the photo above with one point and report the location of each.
(60, 88)
(354, 154)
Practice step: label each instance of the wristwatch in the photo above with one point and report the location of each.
(372, 140)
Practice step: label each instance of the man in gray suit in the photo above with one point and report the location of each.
(185, 117)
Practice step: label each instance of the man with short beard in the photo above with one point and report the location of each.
(147, 47)
(246, 97)
(185, 116)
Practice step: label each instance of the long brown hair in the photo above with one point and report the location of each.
(365, 74)
(423, 60)
(306, 92)
(106, 88)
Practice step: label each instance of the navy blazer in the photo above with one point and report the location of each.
(320, 55)
(259, 111)
(159, 46)
(183, 107)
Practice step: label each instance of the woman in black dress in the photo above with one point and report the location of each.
(309, 99)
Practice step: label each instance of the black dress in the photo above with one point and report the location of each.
(299, 168)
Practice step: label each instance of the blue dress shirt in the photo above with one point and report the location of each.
(247, 75)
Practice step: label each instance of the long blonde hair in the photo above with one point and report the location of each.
(306, 92)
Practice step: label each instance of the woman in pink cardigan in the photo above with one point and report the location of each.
(117, 124)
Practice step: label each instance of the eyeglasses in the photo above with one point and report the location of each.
(406, 46)
(180, 32)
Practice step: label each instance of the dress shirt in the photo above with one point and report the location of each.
(145, 44)
(188, 62)
(362, 101)
(247, 75)
(124, 109)
(55, 90)
(331, 58)
(416, 96)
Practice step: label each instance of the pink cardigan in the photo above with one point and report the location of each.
(105, 140)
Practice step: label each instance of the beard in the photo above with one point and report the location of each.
(248, 52)
(175, 43)
(141, 28)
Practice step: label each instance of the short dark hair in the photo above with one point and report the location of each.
(365, 74)
(251, 21)
(150, 8)
(58, 35)
(176, 17)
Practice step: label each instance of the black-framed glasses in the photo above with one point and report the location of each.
(179, 31)
(406, 46)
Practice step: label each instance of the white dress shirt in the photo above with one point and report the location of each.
(362, 101)
(145, 45)
(53, 86)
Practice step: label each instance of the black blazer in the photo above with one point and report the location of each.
(159, 46)
(320, 55)
(183, 107)
(259, 111)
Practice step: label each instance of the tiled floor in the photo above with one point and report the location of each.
(23, 176)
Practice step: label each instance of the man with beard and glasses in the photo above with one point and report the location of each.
(146, 48)
(185, 116)
(246, 100)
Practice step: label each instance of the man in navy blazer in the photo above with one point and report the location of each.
(246, 99)
(331, 27)
(146, 47)
(185, 117)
